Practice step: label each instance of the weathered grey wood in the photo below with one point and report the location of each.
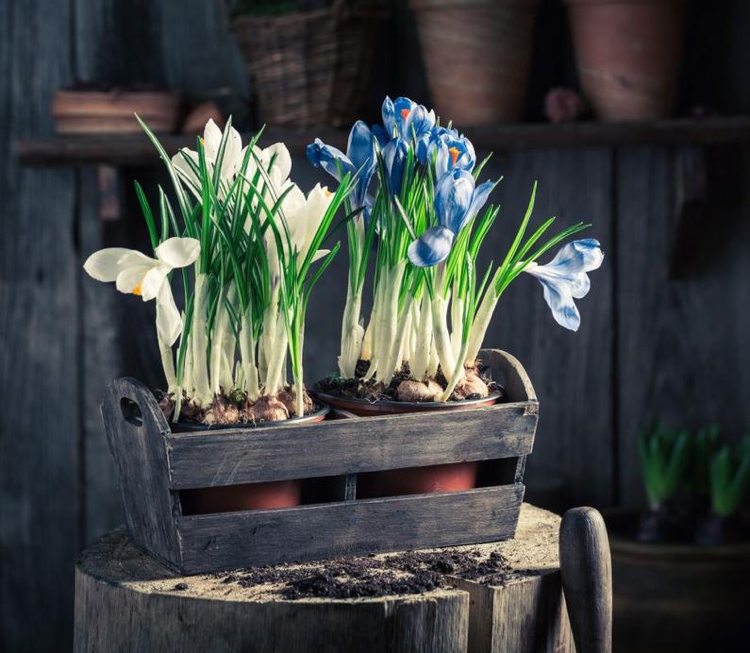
(102, 361)
(126, 602)
(518, 386)
(226, 540)
(516, 381)
(571, 371)
(342, 447)
(682, 354)
(117, 586)
(586, 571)
(130, 150)
(500, 620)
(138, 447)
(39, 368)
(354, 446)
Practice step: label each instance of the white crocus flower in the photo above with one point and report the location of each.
(137, 274)
(302, 216)
(231, 160)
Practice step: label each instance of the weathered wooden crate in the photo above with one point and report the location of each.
(156, 465)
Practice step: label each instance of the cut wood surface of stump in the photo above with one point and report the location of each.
(501, 597)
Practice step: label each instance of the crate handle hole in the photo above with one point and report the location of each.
(131, 412)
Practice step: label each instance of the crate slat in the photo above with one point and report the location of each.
(350, 446)
(224, 541)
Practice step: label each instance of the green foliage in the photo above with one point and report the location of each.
(698, 464)
(704, 444)
(729, 477)
(664, 457)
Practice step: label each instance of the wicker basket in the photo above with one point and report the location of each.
(312, 67)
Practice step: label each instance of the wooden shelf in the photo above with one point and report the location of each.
(137, 150)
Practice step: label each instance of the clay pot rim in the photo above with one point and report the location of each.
(195, 427)
(118, 93)
(623, 2)
(421, 5)
(628, 546)
(392, 407)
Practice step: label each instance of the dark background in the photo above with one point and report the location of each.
(664, 329)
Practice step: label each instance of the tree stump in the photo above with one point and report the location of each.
(503, 597)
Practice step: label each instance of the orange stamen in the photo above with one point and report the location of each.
(454, 154)
(137, 290)
(405, 113)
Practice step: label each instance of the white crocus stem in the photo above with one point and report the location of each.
(276, 355)
(247, 354)
(352, 333)
(400, 333)
(457, 323)
(440, 334)
(386, 326)
(457, 373)
(420, 360)
(479, 326)
(167, 363)
(371, 349)
(432, 368)
(219, 331)
(201, 390)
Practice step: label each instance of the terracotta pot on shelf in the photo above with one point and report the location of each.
(628, 55)
(113, 112)
(676, 597)
(478, 55)
(454, 477)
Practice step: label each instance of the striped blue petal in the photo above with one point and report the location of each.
(394, 157)
(361, 152)
(478, 199)
(331, 159)
(582, 255)
(381, 136)
(418, 122)
(432, 247)
(565, 278)
(561, 303)
(453, 197)
(388, 113)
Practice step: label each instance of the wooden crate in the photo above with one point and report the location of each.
(155, 465)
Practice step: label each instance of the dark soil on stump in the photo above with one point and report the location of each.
(357, 577)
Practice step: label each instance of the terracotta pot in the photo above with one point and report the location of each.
(113, 112)
(628, 55)
(252, 496)
(478, 55)
(677, 597)
(454, 477)
(365, 408)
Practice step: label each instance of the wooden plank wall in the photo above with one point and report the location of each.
(39, 349)
(664, 327)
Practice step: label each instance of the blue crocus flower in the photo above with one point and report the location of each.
(565, 278)
(395, 115)
(457, 202)
(394, 157)
(359, 159)
(451, 151)
(406, 119)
